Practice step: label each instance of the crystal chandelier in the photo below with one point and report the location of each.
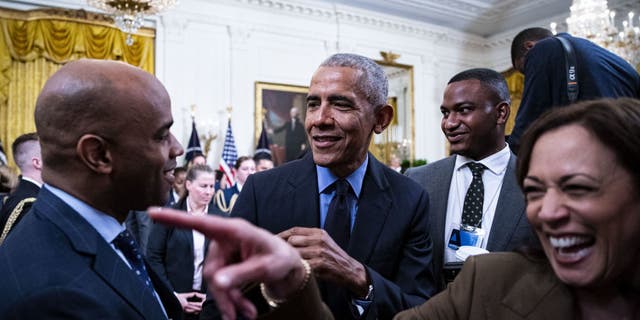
(129, 14)
(593, 20)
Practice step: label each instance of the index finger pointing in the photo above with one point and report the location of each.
(212, 227)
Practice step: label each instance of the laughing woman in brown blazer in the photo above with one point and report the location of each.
(578, 169)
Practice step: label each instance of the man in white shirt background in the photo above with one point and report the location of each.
(473, 193)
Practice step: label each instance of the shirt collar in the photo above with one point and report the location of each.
(206, 208)
(326, 178)
(496, 163)
(106, 225)
(37, 183)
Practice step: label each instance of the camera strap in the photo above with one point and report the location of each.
(571, 66)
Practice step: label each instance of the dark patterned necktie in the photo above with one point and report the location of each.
(127, 245)
(338, 222)
(474, 199)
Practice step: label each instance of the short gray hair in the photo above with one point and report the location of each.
(372, 81)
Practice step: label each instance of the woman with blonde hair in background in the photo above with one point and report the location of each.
(176, 254)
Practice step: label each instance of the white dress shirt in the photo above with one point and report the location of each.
(198, 251)
(492, 178)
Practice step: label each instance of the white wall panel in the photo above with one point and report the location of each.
(210, 53)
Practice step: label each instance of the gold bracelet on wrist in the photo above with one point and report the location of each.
(273, 302)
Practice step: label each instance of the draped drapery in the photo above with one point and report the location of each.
(515, 83)
(35, 44)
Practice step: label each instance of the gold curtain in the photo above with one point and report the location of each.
(515, 82)
(35, 44)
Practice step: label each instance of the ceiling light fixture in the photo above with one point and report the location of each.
(129, 14)
(592, 19)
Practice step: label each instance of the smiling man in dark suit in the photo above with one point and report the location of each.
(106, 149)
(361, 225)
(474, 110)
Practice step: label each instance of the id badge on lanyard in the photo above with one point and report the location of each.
(464, 235)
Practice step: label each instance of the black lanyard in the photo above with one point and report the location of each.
(571, 66)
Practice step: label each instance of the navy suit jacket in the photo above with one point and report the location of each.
(55, 265)
(600, 74)
(170, 252)
(510, 229)
(389, 237)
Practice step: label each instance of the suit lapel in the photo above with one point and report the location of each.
(509, 210)
(110, 267)
(171, 304)
(305, 207)
(439, 198)
(107, 264)
(373, 209)
(187, 234)
(537, 297)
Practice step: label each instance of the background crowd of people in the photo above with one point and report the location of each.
(333, 234)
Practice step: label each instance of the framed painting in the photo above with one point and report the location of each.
(398, 139)
(281, 109)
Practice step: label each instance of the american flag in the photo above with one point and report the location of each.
(262, 149)
(229, 156)
(193, 148)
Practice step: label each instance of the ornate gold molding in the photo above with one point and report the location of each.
(389, 57)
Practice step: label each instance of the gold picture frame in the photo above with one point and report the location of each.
(391, 142)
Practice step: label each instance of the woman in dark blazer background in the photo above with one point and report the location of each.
(177, 255)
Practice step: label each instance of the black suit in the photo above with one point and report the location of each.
(389, 236)
(25, 189)
(57, 266)
(170, 252)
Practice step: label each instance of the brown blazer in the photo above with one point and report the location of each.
(494, 286)
(499, 286)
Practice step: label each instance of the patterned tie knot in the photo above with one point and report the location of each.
(342, 187)
(125, 242)
(476, 169)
